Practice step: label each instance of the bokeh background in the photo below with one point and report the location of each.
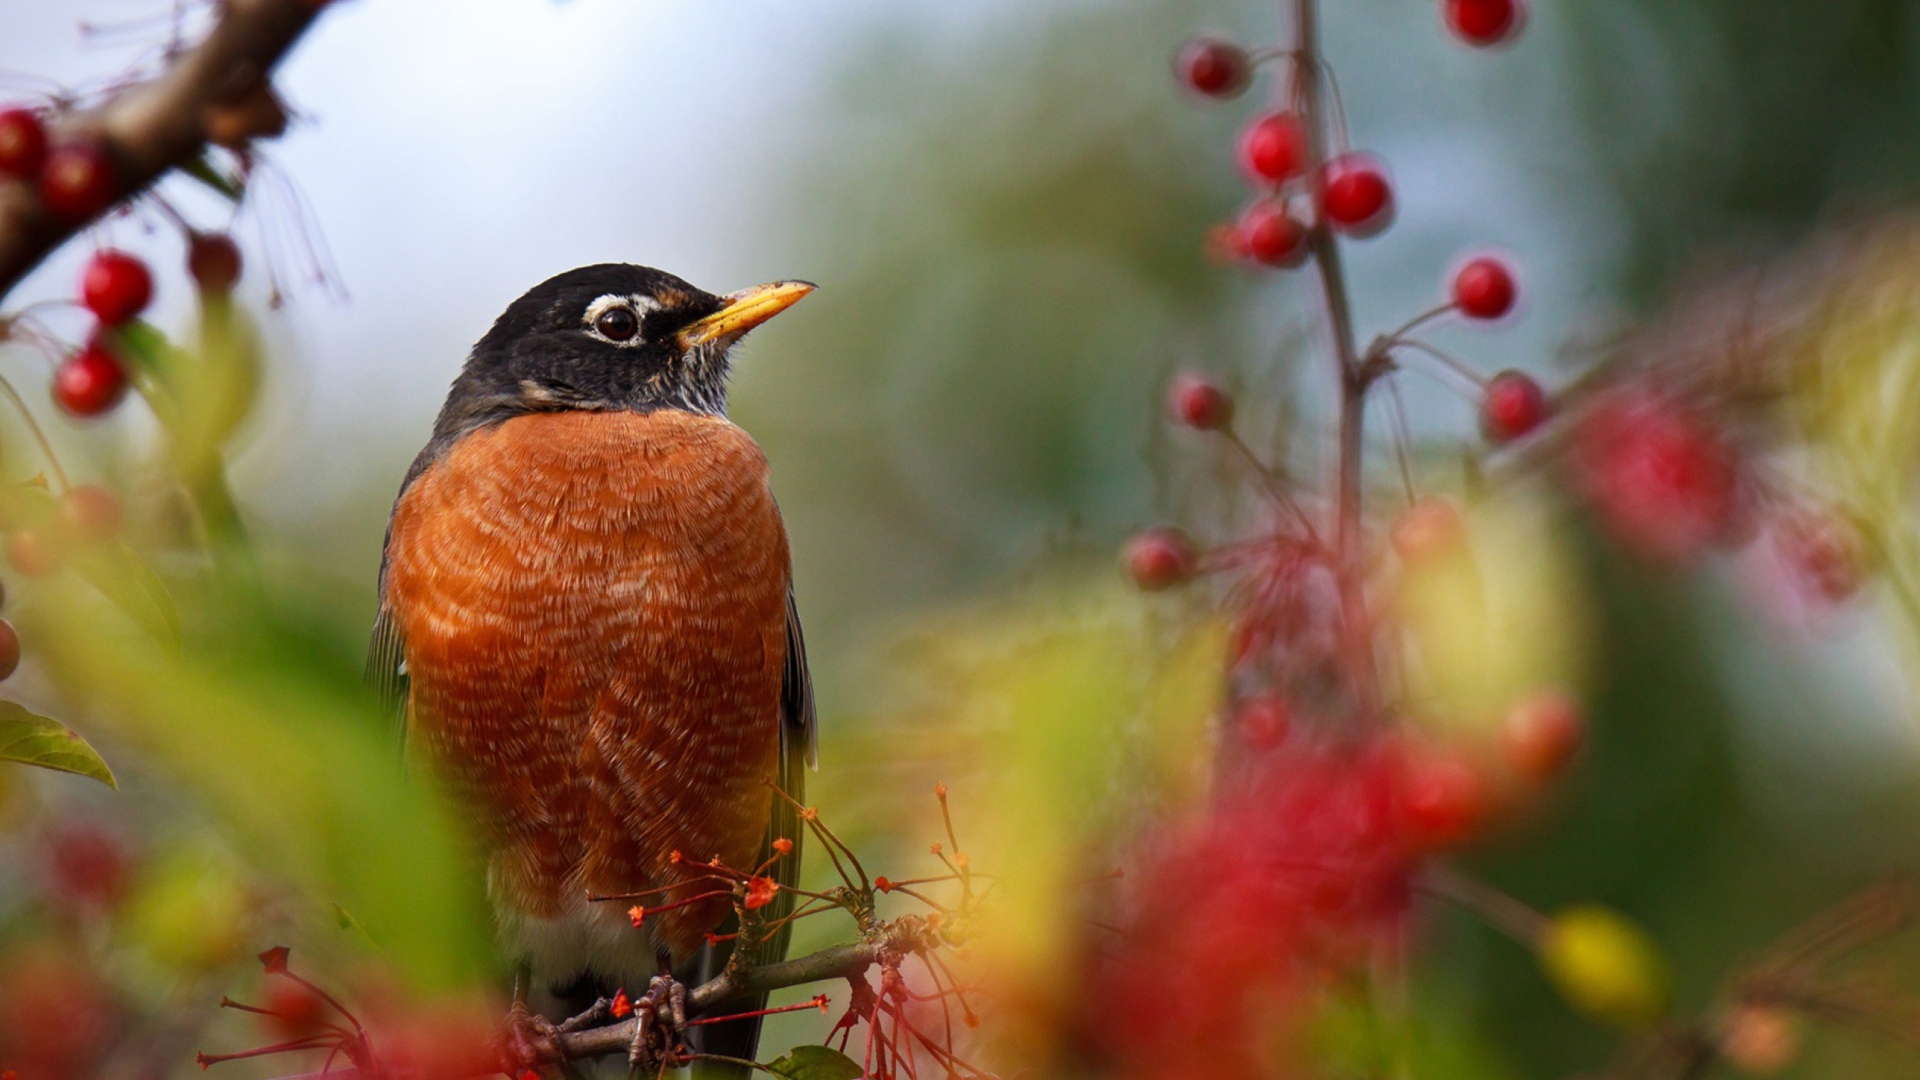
(1004, 205)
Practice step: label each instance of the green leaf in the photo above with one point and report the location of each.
(126, 580)
(347, 922)
(812, 1062)
(36, 740)
(156, 365)
(202, 170)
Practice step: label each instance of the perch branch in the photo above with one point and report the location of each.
(838, 962)
(158, 124)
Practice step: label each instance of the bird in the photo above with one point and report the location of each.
(587, 627)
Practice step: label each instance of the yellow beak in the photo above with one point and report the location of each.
(745, 310)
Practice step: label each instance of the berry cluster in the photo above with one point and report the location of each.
(86, 515)
(74, 177)
(1345, 772)
(115, 287)
(1300, 198)
(1337, 786)
(1673, 481)
(1308, 194)
(74, 174)
(41, 534)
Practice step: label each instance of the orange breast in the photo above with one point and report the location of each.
(593, 606)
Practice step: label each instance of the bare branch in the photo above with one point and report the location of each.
(154, 126)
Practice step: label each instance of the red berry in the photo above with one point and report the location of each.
(214, 261)
(88, 866)
(1357, 198)
(1824, 552)
(1160, 558)
(32, 553)
(1264, 720)
(1485, 22)
(1514, 406)
(297, 1012)
(1483, 288)
(1444, 800)
(1271, 235)
(1426, 530)
(9, 649)
(88, 513)
(90, 382)
(1274, 148)
(23, 144)
(1215, 68)
(77, 181)
(1661, 473)
(1226, 244)
(1196, 402)
(1541, 735)
(116, 287)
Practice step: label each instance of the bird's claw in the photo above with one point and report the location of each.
(531, 1040)
(663, 990)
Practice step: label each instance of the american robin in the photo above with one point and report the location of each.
(586, 612)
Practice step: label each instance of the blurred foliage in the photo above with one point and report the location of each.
(1736, 124)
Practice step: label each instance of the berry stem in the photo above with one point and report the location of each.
(1400, 332)
(1357, 635)
(1497, 909)
(1270, 483)
(1402, 437)
(39, 436)
(1446, 360)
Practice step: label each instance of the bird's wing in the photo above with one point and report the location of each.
(386, 651)
(798, 752)
(386, 667)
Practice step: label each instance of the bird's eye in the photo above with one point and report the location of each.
(617, 324)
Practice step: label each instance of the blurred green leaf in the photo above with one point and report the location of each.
(284, 744)
(204, 171)
(1425, 1039)
(125, 579)
(155, 364)
(190, 911)
(31, 739)
(349, 923)
(814, 1062)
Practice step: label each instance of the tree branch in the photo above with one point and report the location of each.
(838, 962)
(154, 126)
(1355, 378)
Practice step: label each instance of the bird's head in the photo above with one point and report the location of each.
(610, 337)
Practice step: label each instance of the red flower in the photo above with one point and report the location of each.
(783, 845)
(637, 913)
(760, 892)
(621, 1007)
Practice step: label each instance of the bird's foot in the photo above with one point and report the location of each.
(531, 1040)
(657, 1042)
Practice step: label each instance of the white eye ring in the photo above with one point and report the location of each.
(637, 305)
